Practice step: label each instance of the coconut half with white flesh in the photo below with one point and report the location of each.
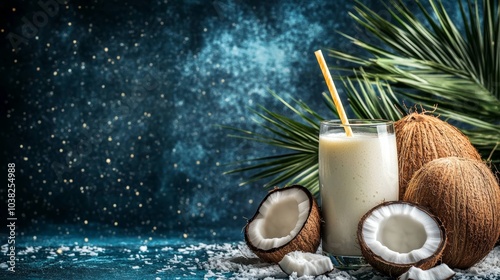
(287, 220)
(397, 235)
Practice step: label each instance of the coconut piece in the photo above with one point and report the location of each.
(421, 138)
(304, 263)
(440, 272)
(465, 195)
(396, 235)
(288, 219)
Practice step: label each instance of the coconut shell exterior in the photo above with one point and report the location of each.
(306, 240)
(422, 138)
(393, 269)
(465, 195)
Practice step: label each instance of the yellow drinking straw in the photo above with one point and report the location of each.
(333, 92)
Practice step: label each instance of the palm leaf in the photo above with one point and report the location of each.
(372, 99)
(288, 134)
(438, 62)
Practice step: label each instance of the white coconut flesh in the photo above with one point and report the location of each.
(281, 217)
(401, 233)
(304, 263)
(440, 272)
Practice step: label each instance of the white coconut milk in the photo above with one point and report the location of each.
(356, 174)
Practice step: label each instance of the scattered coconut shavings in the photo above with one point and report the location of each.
(304, 263)
(489, 266)
(88, 250)
(239, 262)
(196, 260)
(439, 272)
(29, 250)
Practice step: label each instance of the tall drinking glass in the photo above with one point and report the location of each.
(356, 173)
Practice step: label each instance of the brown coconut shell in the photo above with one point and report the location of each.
(395, 269)
(421, 138)
(307, 239)
(465, 195)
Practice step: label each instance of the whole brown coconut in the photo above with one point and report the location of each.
(421, 138)
(288, 219)
(465, 195)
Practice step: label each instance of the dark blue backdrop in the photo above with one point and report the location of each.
(110, 108)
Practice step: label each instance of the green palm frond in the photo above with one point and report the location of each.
(372, 99)
(437, 62)
(299, 138)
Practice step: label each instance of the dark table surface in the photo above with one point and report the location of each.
(91, 255)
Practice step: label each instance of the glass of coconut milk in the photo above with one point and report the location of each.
(357, 171)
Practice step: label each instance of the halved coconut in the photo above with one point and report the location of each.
(304, 263)
(395, 236)
(287, 220)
